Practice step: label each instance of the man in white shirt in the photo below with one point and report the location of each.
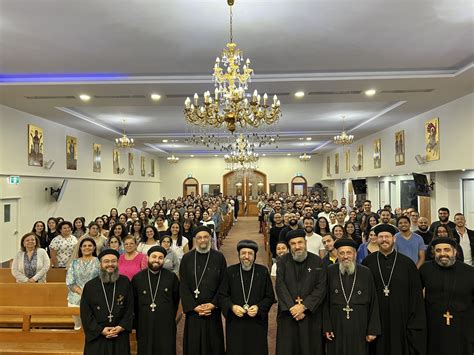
(314, 242)
(326, 211)
(464, 237)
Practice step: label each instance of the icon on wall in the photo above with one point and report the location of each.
(71, 153)
(400, 148)
(328, 166)
(97, 159)
(432, 139)
(152, 172)
(336, 164)
(347, 155)
(116, 161)
(142, 165)
(360, 158)
(131, 164)
(377, 153)
(35, 145)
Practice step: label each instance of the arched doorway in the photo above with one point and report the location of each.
(247, 187)
(299, 186)
(190, 187)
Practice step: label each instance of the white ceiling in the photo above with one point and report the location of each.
(136, 47)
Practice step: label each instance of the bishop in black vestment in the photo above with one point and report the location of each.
(107, 309)
(400, 297)
(351, 317)
(156, 295)
(246, 296)
(201, 272)
(449, 290)
(300, 289)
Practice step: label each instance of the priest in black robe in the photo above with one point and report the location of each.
(351, 317)
(107, 309)
(300, 289)
(245, 297)
(156, 295)
(449, 291)
(400, 297)
(201, 272)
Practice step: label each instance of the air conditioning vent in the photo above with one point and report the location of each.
(405, 91)
(49, 97)
(348, 92)
(119, 96)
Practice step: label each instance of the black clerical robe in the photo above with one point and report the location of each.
(202, 335)
(94, 316)
(306, 280)
(156, 330)
(402, 312)
(242, 331)
(364, 319)
(457, 281)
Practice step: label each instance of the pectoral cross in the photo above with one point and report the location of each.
(448, 317)
(299, 300)
(110, 316)
(196, 293)
(153, 306)
(386, 291)
(309, 269)
(347, 309)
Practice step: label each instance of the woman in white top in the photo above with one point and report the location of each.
(32, 263)
(180, 244)
(209, 223)
(149, 239)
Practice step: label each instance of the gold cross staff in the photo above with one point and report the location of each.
(299, 300)
(448, 317)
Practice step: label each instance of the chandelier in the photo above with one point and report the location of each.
(124, 141)
(305, 157)
(229, 106)
(242, 157)
(343, 138)
(172, 159)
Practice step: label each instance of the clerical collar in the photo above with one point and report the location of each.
(154, 272)
(388, 255)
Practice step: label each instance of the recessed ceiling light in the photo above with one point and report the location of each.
(463, 169)
(155, 97)
(192, 155)
(299, 94)
(215, 155)
(264, 155)
(370, 92)
(301, 138)
(84, 97)
(308, 138)
(165, 141)
(288, 154)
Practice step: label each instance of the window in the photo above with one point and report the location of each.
(278, 188)
(7, 213)
(211, 189)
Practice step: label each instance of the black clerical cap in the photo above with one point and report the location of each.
(246, 243)
(345, 242)
(157, 248)
(443, 240)
(385, 227)
(201, 229)
(108, 251)
(297, 233)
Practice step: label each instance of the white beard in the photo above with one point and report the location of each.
(205, 250)
(301, 257)
(349, 269)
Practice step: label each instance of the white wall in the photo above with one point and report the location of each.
(87, 194)
(211, 170)
(456, 153)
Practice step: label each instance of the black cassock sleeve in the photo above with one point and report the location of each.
(269, 299)
(92, 329)
(224, 300)
(317, 295)
(175, 295)
(186, 284)
(417, 333)
(374, 326)
(285, 301)
(127, 319)
(222, 273)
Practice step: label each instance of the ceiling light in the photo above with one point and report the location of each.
(84, 97)
(192, 155)
(370, 92)
(308, 138)
(155, 97)
(343, 138)
(299, 94)
(305, 157)
(288, 154)
(165, 141)
(172, 159)
(124, 142)
(301, 138)
(215, 155)
(463, 169)
(264, 155)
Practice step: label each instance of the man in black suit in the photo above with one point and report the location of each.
(443, 216)
(464, 237)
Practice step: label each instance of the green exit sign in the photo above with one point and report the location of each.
(14, 180)
(299, 174)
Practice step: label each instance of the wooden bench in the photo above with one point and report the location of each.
(54, 275)
(43, 341)
(48, 295)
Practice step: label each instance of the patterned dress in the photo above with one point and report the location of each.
(78, 274)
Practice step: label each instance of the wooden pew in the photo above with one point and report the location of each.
(54, 275)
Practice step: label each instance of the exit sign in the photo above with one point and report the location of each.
(14, 180)
(299, 174)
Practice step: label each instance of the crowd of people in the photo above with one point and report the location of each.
(347, 279)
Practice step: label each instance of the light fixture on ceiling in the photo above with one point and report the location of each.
(124, 141)
(155, 97)
(264, 155)
(305, 157)
(288, 154)
(308, 138)
(343, 138)
(191, 156)
(299, 94)
(242, 156)
(84, 97)
(370, 92)
(172, 159)
(230, 107)
(164, 140)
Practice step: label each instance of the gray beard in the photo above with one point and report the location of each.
(449, 263)
(300, 258)
(204, 251)
(108, 277)
(349, 269)
(246, 268)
